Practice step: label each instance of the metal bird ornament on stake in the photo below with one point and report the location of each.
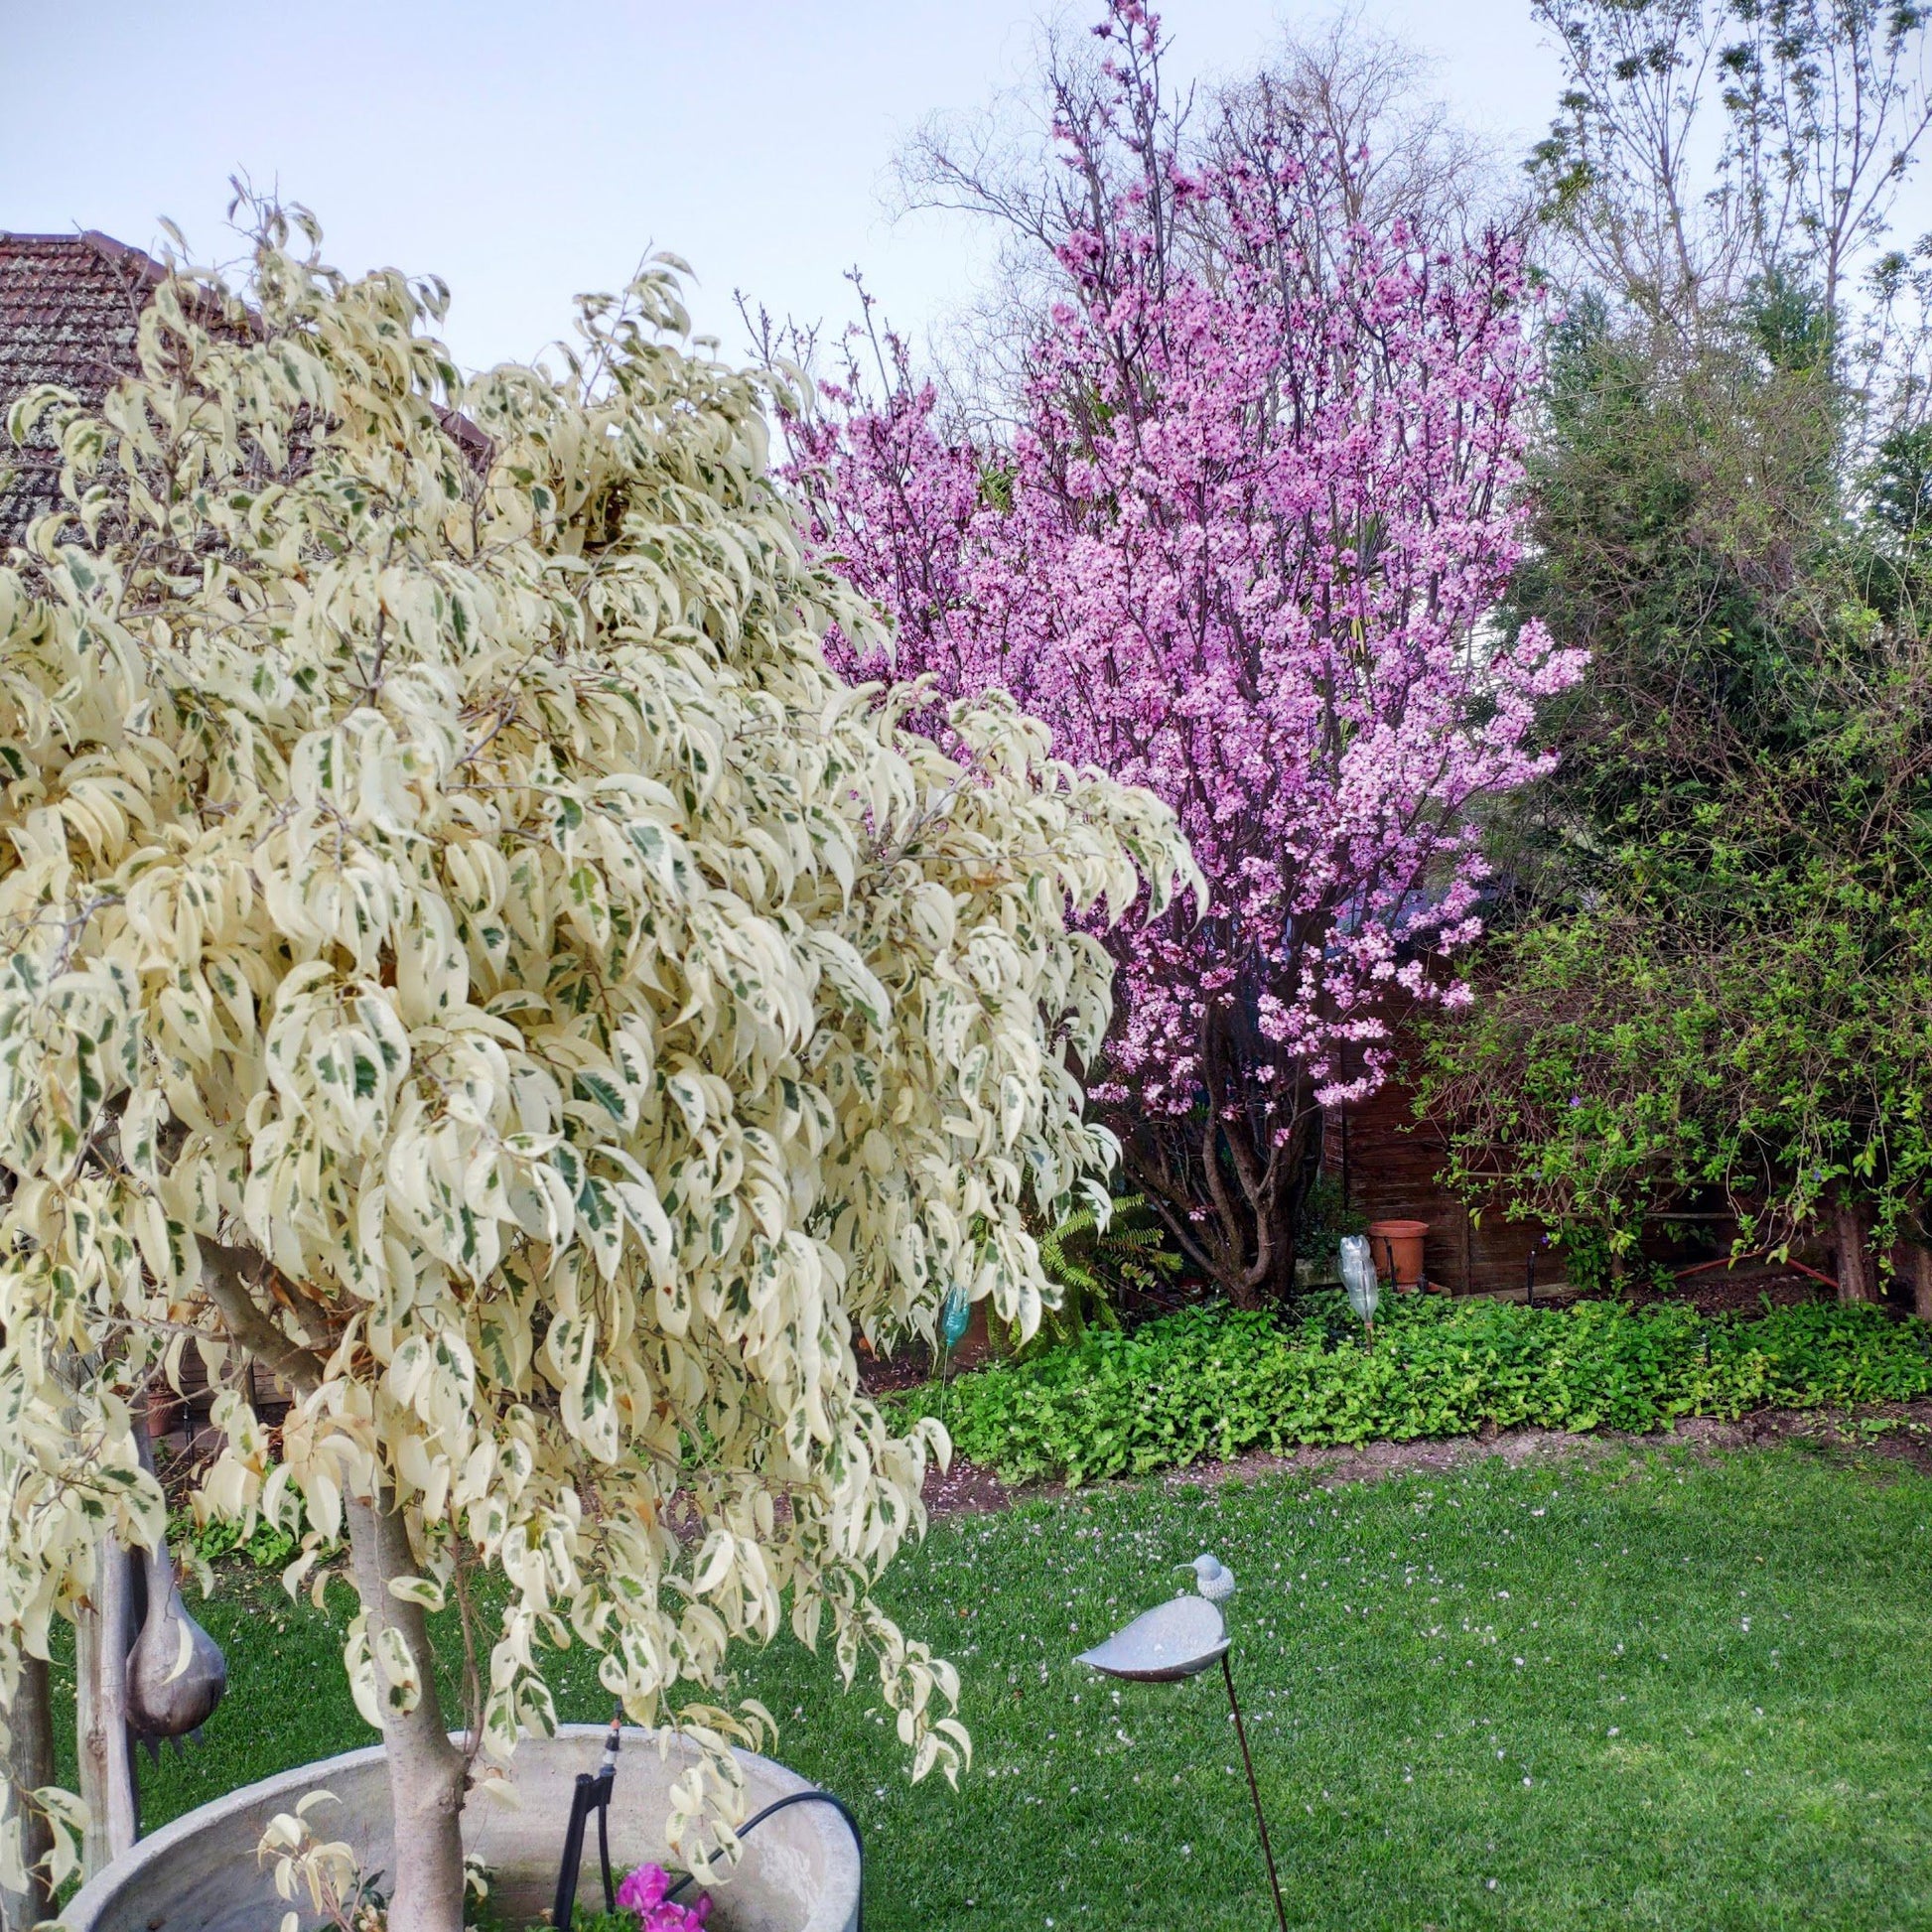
(1212, 1578)
(1360, 1282)
(1180, 1639)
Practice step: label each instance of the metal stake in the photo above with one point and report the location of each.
(1254, 1790)
(1177, 1639)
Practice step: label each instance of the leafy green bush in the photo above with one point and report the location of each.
(269, 1547)
(1214, 1382)
(1094, 1266)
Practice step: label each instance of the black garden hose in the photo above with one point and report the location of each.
(814, 1797)
(592, 1793)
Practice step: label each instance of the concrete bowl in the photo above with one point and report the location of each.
(799, 1872)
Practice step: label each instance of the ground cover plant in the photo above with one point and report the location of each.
(1658, 1692)
(1215, 1382)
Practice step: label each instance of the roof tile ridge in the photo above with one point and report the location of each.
(123, 254)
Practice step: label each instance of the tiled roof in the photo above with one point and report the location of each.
(69, 312)
(70, 306)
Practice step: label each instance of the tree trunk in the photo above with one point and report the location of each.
(427, 1772)
(28, 1765)
(1852, 1224)
(1918, 1271)
(1229, 1196)
(103, 1636)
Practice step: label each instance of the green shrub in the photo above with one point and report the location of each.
(1094, 1267)
(269, 1547)
(1325, 1219)
(1211, 1382)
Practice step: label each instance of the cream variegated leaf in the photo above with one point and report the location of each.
(448, 903)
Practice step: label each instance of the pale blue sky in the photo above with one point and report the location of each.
(526, 151)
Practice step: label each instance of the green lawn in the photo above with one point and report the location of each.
(1661, 1691)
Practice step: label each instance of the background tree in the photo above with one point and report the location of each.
(1350, 98)
(1717, 976)
(1704, 149)
(465, 953)
(1241, 549)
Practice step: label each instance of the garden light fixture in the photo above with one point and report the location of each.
(1180, 1639)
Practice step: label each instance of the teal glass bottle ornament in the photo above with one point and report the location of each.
(955, 1311)
(955, 1314)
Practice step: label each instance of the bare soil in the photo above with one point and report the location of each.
(891, 1374)
(1743, 1290)
(1747, 1289)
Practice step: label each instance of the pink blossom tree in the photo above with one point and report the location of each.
(1242, 547)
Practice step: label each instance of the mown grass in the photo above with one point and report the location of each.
(1657, 1691)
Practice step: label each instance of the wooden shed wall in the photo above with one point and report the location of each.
(1387, 1160)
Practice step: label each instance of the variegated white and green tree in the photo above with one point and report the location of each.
(462, 950)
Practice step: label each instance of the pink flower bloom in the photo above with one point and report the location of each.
(644, 1889)
(676, 1918)
(643, 1893)
(1244, 547)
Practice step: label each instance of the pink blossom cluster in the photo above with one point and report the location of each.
(643, 1891)
(1245, 548)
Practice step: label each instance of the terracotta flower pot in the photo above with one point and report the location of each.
(1399, 1245)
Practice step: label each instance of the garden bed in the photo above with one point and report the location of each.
(1887, 1433)
(1212, 1384)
